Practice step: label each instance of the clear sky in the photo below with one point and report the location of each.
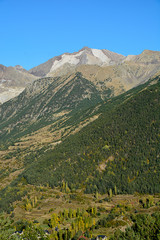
(33, 31)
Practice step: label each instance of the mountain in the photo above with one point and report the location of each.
(49, 99)
(53, 116)
(85, 136)
(86, 56)
(105, 69)
(44, 102)
(13, 81)
(119, 147)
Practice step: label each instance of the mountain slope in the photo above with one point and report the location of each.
(102, 67)
(13, 81)
(86, 56)
(44, 100)
(112, 75)
(120, 148)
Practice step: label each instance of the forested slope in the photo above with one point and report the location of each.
(40, 104)
(121, 149)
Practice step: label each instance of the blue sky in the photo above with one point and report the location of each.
(33, 31)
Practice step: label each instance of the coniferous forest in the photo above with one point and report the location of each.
(121, 149)
(115, 155)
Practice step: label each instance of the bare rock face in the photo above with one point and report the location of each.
(99, 65)
(105, 69)
(86, 56)
(108, 70)
(148, 57)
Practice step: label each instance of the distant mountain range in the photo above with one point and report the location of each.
(105, 69)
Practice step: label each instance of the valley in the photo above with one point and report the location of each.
(76, 214)
(80, 149)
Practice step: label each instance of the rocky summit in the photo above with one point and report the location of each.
(105, 69)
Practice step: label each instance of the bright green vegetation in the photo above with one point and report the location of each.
(120, 222)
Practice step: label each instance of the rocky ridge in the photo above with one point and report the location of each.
(105, 69)
(13, 80)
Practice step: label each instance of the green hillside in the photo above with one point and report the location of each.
(39, 104)
(119, 152)
(121, 149)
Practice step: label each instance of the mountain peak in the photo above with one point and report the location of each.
(18, 67)
(69, 61)
(85, 48)
(87, 56)
(146, 51)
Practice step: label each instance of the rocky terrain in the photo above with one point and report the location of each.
(13, 80)
(105, 69)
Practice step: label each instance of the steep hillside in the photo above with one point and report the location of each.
(44, 102)
(118, 150)
(57, 97)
